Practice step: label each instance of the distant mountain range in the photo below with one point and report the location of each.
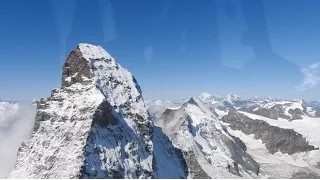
(273, 108)
(275, 138)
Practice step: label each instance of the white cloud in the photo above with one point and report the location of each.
(311, 77)
(148, 53)
(16, 124)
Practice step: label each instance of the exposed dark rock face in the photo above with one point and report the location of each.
(239, 155)
(182, 160)
(213, 111)
(168, 114)
(193, 101)
(304, 175)
(103, 115)
(317, 111)
(239, 143)
(195, 169)
(275, 138)
(304, 105)
(74, 68)
(296, 114)
(316, 107)
(275, 112)
(249, 109)
(317, 165)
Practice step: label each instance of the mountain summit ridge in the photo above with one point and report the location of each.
(95, 126)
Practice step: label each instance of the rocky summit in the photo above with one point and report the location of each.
(96, 125)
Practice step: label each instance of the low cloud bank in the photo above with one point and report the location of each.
(16, 124)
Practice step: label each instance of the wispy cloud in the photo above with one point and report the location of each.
(311, 77)
(148, 53)
(108, 20)
(16, 125)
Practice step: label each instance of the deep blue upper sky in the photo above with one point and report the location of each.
(174, 48)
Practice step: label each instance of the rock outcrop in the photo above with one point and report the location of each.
(275, 138)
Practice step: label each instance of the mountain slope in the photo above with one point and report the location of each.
(281, 136)
(285, 149)
(209, 150)
(95, 126)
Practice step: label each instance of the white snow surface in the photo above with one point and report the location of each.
(311, 111)
(91, 52)
(277, 165)
(309, 127)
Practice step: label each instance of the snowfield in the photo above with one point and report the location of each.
(309, 127)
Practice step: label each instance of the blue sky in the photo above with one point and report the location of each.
(174, 48)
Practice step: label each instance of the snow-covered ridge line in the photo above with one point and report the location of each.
(99, 115)
(287, 130)
(90, 52)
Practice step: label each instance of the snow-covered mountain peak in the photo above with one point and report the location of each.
(99, 115)
(198, 103)
(206, 96)
(232, 98)
(92, 65)
(90, 52)
(194, 101)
